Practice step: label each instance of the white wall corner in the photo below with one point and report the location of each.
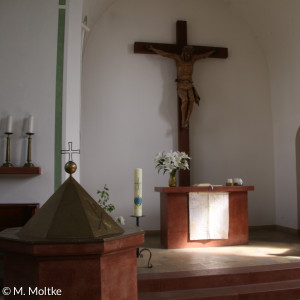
(72, 83)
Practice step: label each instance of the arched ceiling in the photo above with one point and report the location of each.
(261, 16)
(93, 9)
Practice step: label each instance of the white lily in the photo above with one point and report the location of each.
(172, 161)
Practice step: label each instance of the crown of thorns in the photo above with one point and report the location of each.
(188, 49)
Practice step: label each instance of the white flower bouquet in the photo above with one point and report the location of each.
(172, 161)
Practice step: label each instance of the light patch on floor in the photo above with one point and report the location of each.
(265, 247)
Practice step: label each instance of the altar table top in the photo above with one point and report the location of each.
(211, 188)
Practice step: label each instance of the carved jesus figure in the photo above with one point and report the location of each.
(185, 89)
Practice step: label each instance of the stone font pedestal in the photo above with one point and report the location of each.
(95, 269)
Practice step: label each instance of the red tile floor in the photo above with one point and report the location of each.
(268, 246)
(268, 268)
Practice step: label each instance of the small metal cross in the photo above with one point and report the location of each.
(70, 151)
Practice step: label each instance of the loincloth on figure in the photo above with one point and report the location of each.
(186, 86)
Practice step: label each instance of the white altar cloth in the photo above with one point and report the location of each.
(208, 216)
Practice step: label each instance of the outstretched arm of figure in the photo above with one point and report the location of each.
(203, 55)
(161, 52)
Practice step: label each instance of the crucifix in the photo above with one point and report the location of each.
(184, 56)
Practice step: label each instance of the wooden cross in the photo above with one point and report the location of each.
(181, 41)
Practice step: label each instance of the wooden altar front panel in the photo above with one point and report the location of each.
(174, 216)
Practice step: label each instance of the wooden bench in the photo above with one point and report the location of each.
(16, 214)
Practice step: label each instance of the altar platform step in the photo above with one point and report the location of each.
(287, 290)
(279, 281)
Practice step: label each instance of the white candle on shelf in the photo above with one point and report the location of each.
(9, 125)
(30, 125)
(138, 181)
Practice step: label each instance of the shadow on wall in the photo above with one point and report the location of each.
(298, 173)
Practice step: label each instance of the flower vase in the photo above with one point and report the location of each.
(172, 180)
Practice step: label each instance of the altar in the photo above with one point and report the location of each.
(174, 216)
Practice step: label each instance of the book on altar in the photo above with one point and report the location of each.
(206, 184)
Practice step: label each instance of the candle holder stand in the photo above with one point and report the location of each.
(138, 251)
(29, 163)
(7, 160)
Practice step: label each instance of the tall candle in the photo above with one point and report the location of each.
(9, 124)
(30, 124)
(138, 181)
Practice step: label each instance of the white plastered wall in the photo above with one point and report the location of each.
(27, 86)
(129, 110)
(276, 26)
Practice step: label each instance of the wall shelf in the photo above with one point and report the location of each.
(20, 170)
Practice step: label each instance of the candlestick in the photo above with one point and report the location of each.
(138, 180)
(138, 251)
(7, 161)
(29, 163)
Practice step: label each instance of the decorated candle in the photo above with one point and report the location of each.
(30, 125)
(9, 125)
(138, 180)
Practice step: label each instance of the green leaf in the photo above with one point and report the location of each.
(104, 199)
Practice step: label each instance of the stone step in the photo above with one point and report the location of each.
(215, 278)
(279, 290)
